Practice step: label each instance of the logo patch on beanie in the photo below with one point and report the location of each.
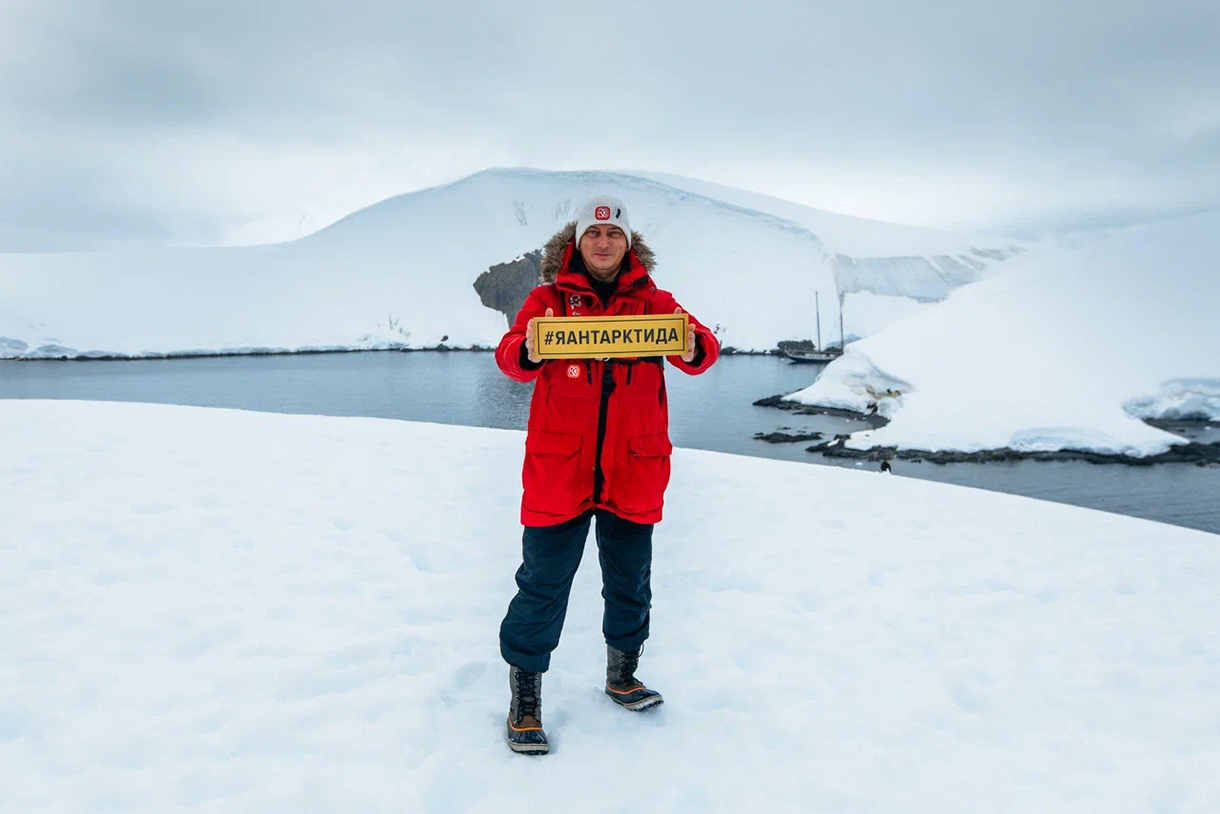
(602, 213)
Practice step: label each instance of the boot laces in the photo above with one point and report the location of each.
(630, 664)
(528, 699)
(626, 665)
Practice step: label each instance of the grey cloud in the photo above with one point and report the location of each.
(35, 211)
(1068, 109)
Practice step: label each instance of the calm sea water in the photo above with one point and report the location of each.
(713, 411)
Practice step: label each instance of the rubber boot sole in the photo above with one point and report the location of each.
(529, 748)
(530, 741)
(637, 705)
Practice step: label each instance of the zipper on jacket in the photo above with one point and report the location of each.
(599, 477)
(608, 385)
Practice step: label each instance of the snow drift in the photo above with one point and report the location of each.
(1067, 350)
(400, 274)
(236, 611)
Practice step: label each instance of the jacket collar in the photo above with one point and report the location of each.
(557, 257)
(569, 279)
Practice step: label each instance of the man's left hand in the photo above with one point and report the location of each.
(689, 356)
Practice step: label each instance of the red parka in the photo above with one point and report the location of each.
(598, 433)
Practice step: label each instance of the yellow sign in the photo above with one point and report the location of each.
(610, 337)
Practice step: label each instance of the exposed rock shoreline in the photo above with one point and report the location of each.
(787, 438)
(874, 421)
(1193, 452)
(119, 357)
(73, 355)
(1189, 453)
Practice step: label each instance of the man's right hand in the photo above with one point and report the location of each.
(529, 339)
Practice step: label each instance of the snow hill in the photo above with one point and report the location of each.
(891, 260)
(248, 612)
(1066, 350)
(400, 273)
(280, 229)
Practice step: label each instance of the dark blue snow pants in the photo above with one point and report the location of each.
(551, 554)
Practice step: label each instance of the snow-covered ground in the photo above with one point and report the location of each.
(866, 313)
(1180, 399)
(401, 274)
(226, 611)
(1067, 349)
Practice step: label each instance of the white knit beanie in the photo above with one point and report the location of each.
(602, 209)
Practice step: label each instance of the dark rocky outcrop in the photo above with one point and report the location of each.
(777, 402)
(874, 421)
(1184, 423)
(505, 286)
(1196, 452)
(787, 438)
(1192, 453)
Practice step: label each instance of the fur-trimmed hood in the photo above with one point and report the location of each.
(552, 253)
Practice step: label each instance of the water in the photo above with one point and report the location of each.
(713, 411)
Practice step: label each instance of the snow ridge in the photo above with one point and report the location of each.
(1070, 349)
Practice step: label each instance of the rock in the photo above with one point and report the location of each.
(505, 286)
(1194, 452)
(785, 438)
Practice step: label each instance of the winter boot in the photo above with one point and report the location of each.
(621, 684)
(524, 729)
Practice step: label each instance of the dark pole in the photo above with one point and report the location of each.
(818, 308)
(842, 336)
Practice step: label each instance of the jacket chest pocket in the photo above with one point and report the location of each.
(570, 379)
(644, 384)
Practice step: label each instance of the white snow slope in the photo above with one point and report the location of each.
(1067, 349)
(400, 274)
(282, 228)
(894, 260)
(217, 611)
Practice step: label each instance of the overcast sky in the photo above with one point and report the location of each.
(178, 121)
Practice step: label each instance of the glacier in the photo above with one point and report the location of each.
(400, 274)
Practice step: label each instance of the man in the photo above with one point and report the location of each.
(597, 447)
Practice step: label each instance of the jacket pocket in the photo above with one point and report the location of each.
(552, 477)
(640, 484)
